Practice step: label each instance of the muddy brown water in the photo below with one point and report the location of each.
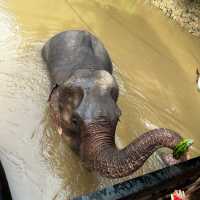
(155, 63)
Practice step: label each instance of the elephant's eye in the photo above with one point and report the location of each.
(76, 120)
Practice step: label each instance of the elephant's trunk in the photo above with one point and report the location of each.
(101, 154)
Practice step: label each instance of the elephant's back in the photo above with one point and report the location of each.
(72, 50)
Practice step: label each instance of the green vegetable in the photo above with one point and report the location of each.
(181, 148)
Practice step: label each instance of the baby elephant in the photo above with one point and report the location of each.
(83, 106)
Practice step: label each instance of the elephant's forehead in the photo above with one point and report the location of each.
(104, 79)
(98, 79)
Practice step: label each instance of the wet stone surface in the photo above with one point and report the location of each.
(184, 12)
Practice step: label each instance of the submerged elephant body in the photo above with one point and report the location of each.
(70, 51)
(84, 106)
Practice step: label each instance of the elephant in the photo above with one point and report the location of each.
(83, 105)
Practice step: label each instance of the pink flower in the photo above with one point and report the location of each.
(178, 195)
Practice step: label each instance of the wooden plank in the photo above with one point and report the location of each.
(153, 185)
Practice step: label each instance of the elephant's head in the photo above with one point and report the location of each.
(88, 97)
(86, 110)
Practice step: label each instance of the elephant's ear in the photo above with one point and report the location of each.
(52, 91)
(54, 107)
(70, 96)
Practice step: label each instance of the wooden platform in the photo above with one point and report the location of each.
(151, 186)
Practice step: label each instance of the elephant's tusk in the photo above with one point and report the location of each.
(60, 132)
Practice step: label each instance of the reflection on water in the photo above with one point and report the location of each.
(155, 63)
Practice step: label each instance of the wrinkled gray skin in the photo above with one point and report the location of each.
(83, 105)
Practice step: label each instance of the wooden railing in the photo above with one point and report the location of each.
(152, 186)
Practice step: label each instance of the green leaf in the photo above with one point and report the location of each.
(181, 148)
